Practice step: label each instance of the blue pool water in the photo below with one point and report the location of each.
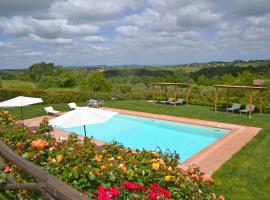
(144, 133)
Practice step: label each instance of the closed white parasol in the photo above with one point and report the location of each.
(82, 116)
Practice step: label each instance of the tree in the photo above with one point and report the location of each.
(95, 82)
(47, 82)
(38, 70)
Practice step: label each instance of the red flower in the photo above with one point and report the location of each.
(134, 186)
(153, 195)
(107, 193)
(158, 192)
(154, 186)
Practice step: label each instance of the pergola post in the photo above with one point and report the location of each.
(187, 95)
(250, 104)
(175, 95)
(166, 91)
(216, 99)
(261, 101)
(227, 98)
(154, 88)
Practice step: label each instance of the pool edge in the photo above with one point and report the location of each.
(214, 155)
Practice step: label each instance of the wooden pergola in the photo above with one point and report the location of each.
(246, 88)
(175, 85)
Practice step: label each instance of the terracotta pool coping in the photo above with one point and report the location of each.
(209, 159)
(216, 154)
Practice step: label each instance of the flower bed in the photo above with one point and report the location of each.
(110, 172)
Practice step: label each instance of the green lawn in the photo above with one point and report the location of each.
(18, 85)
(245, 176)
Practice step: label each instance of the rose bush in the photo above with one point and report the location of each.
(109, 172)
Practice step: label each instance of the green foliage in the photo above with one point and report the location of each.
(38, 70)
(47, 82)
(18, 85)
(95, 82)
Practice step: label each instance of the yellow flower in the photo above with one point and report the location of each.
(153, 160)
(123, 168)
(155, 166)
(170, 168)
(59, 158)
(119, 158)
(98, 158)
(167, 178)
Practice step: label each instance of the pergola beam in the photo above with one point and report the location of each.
(175, 85)
(249, 88)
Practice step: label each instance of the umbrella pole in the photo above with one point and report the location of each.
(84, 131)
(21, 114)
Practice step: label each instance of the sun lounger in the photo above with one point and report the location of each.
(247, 109)
(72, 106)
(235, 106)
(50, 110)
(178, 101)
(94, 103)
(167, 101)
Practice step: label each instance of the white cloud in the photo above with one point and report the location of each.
(24, 26)
(94, 10)
(127, 30)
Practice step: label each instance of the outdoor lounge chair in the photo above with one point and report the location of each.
(178, 101)
(247, 109)
(50, 110)
(235, 106)
(167, 101)
(72, 106)
(94, 103)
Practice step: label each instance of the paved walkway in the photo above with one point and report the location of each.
(209, 159)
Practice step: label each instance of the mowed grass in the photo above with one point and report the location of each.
(245, 176)
(18, 85)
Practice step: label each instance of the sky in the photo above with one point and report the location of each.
(143, 32)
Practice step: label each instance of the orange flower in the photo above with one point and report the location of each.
(191, 171)
(195, 176)
(39, 144)
(208, 179)
(104, 167)
(221, 197)
(6, 169)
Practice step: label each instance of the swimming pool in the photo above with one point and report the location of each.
(145, 133)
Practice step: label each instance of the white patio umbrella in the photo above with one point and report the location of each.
(82, 116)
(20, 101)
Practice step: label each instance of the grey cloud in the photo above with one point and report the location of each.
(23, 7)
